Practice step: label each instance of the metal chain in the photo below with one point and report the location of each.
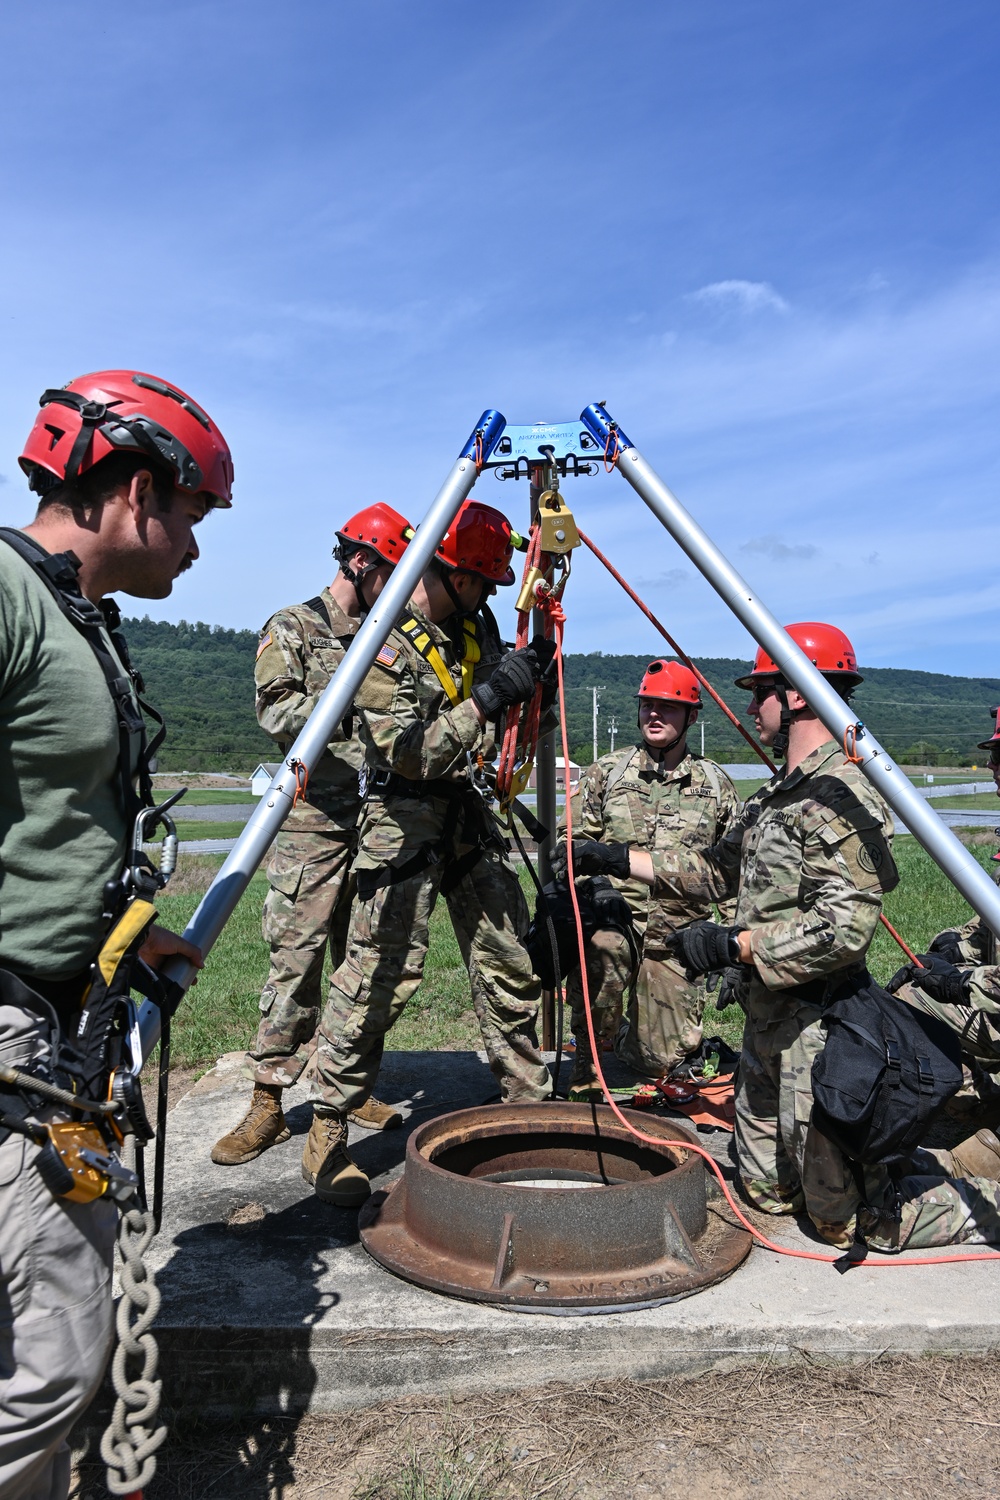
(128, 1446)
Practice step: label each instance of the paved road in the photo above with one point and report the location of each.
(218, 812)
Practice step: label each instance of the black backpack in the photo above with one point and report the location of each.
(884, 1074)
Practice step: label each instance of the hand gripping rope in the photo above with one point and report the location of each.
(842, 1261)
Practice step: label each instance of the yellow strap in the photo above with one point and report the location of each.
(432, 655)
(133, 923)
(470, 659)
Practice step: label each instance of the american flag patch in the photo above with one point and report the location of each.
(387, 656)
(265, 642)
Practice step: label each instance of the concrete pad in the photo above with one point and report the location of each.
(270, 1302)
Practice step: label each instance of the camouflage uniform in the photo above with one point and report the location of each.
(629, 797)
(422, 810)
(309, 903)
(809, 861)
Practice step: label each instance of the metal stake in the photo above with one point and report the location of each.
(219, 901)
(961, 868)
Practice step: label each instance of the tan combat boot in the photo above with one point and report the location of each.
(583, 1081)
(374, 1115)
(979, 1156)
(262, 1126)
(327, 1167)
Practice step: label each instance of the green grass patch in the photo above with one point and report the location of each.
(190, 830)
(976, 799)
(199, 797)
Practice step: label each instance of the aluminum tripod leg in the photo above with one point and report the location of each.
(961, 868)
(219, 901)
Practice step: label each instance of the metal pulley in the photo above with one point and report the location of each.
(558, 528)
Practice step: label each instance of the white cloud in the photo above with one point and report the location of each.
(673, 578)
(746, 296)
(777, 550)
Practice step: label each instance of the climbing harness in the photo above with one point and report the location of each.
(466, 818)
(59, 573)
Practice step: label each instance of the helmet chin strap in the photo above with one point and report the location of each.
(460, 609)
(357, 577)
(780, 742)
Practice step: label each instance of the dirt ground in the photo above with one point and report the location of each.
(913, 1428)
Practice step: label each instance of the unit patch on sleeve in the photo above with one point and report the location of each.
(387, 656)
(265, 641)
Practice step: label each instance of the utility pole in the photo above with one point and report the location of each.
(613, 730)
(597, 691)
(703, 736)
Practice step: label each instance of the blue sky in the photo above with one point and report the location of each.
(766, 233)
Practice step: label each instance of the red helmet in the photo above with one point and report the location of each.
(668, 679)
(381, 529)
(123, 410)
(993, 743)
(826, 647)
(480, 541)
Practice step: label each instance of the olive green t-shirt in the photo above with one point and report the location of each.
(62, 825)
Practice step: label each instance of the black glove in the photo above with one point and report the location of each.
(592, 858)
(705, 946)
(941, 980)
(513, 681)
(543, 650)
(948, 946)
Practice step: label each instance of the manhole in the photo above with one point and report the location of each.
(474, 1214)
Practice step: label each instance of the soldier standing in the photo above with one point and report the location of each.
(124, 465)
(428, 710)
(655, 795)
(308, 906)
(809, 860)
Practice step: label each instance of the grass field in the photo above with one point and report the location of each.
(207, 830)
(220, 1014)
(200, 797)
(980, 799)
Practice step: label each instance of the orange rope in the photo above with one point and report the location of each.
(301, 782)
(757, 749)
(890, 1262)
(851, 745)
(612, 448)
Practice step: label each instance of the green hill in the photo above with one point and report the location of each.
(201, 678)
(921, 717)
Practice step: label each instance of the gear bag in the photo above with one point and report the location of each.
(884, 1074)
(601, 908)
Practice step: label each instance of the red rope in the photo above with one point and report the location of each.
(757, 749)
(891, 1262)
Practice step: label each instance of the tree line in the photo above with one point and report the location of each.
(200, 677)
